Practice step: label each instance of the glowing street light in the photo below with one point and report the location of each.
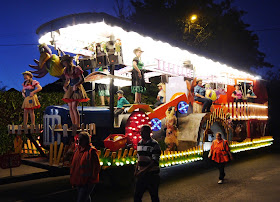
(193, 18)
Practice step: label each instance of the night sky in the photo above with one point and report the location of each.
(20, 19)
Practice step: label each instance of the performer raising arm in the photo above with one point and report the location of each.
(74, 90)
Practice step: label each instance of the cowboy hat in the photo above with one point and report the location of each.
(198, 80)
(28, 73)
(137, 49)
(120, 91)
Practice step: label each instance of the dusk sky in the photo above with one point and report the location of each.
(20, 19)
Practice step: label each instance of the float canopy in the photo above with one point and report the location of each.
(74, 32)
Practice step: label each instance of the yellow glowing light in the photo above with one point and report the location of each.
(193, 17)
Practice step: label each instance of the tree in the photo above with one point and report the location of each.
(2, 87)
(121, 9)
(218, 33)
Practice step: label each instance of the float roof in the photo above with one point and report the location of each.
(74, 32)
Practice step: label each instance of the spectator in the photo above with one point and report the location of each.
(220, 154)
(85, 167)
(199, 95)
(147, 167)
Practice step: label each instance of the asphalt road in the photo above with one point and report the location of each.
(252, 176)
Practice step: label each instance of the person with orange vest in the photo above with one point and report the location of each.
(85, 167)
(220, 154)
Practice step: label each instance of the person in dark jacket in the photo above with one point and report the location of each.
(85, 167)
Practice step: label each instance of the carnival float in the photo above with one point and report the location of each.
(98, 39)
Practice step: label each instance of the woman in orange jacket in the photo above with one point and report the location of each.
(85, 167)
(220, 153)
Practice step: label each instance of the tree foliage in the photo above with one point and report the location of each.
(218, 33)
(2, 87)
(121, 9)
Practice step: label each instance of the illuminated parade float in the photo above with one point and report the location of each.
(97, 40)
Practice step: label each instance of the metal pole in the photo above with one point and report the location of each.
(112, 72)
(10, 165)
(82, 113)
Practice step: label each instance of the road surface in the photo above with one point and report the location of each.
(252, 176)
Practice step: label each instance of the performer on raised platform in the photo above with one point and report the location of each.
(31, 102)
(74, 90)
(237, 94)
(250, 94)
(161, 97)
(199, 95)
(120, 106)
(103, 89)
(138, 82)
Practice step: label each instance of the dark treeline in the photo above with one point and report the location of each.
(218, 32)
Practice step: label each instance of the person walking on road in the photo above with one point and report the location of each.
(147, 167)
(220, 154)
(85, 167)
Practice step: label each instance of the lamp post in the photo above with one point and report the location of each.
(191, 20)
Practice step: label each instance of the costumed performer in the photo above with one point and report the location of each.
(120, 105)
(103, 89)
(237, 94)
(210, 93)
(199, 95)
(31, 102)
(138, 82)
(171, 129)
(74, 90)
(161, 97)
(250, 94)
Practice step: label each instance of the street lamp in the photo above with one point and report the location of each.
(193, 18)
